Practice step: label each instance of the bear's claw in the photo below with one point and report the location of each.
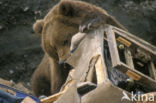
(82, 28)
(89, 25)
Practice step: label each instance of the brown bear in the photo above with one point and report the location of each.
(57, 28)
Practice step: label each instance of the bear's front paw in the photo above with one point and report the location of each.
(89, 25)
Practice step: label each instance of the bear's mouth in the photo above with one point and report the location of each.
(63, 61)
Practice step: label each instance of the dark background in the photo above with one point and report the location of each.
(20, 48)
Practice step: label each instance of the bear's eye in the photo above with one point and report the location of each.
(65, 42)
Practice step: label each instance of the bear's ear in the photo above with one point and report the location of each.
(38, 26)
(66, 8)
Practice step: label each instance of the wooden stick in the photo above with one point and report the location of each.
(128, 57)
(99, 71)
(54, 97)
(152, 70)
(124, 41)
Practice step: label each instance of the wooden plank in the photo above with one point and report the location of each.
(140, 77)
(112, 46)
(99, 71)
(91, 71)
(90, 75)
(54, 97)
(124, 41)
(70, 96)
(152, 70)
(28, 100)
(128, 57)
(137, 41)
(133, 75)
(105, 93)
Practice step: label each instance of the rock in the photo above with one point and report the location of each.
(11, 71)
(1, 27)
(38, 12)
(28, 84)
(11, 81)
(25, 56)
(26, 9)
(28, 100)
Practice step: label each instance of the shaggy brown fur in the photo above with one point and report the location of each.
(63, 21)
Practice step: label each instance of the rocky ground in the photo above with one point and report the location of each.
(20, 50)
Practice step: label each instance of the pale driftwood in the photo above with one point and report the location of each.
(133, 75)
(69, 90)
(84, 63)
(143, 79)
(91, 45)
(128, 57)
(90, 77)
(70, 96)
(106, 92)
(112, 45)
(137, 41)
(124, 41)
(152, 70)
(54, 97)
(28, 100)
(99, 71)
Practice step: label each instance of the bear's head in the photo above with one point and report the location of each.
(63, 21)
(58, 27)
